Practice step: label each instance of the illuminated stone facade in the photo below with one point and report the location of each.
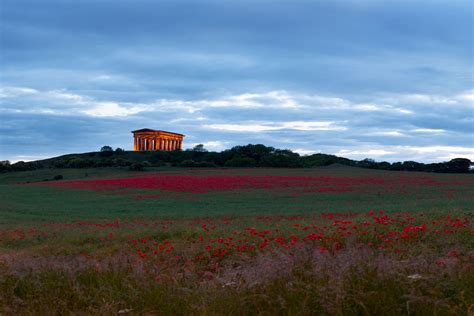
(150, 139)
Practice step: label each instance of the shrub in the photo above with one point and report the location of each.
(5, 166)
(79, 163)
(58, 177)
(106, 151)
(106, 148)
(196, 164)
(120, 162)
(241, 162)
(199, 148)
(459, 165)
(136, 166)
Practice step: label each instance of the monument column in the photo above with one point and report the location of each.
(134, 143)
(139, 143)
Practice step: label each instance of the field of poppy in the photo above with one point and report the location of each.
(238, 241)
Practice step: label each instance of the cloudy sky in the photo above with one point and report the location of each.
(386, 79)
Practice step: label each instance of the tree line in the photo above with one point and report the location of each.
(239, 156)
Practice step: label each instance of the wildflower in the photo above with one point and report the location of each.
(125, 311)
(322, 249)
(453, 254)
(415, 276)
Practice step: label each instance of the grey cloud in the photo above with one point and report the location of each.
(377, 68)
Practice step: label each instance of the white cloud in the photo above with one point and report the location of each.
(363, 153)
(312, 126)
(109, 109)
(401, 153)
(101, 78)
(63, 102)
(426, 98)
(303, 151)
(269, 100)
(213, 145)
(251, 128)
(467, 96)
(67, 96)
(387, 133)
(12, 92)
(428, 130)
(269, 126)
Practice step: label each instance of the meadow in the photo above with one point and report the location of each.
(322, 241)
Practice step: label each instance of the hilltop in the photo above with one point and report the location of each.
(239, 156)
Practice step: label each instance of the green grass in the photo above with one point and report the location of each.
(25, 203)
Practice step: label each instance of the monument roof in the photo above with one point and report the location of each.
(154, 130)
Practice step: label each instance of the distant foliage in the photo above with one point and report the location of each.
(459, 165)
(196, 164)
(137, 166)
(106, 151)
(5, 166)
(106, 148)
(80, 163)
(199, 148)
(241, 162)
(251, 155)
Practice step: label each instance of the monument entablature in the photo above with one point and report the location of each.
(150, 139)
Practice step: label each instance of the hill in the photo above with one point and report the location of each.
(239, 156)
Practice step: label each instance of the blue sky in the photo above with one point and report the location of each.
(388, 80)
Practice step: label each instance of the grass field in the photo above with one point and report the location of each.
(332, 240)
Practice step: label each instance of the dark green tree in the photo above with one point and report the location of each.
(106, 148)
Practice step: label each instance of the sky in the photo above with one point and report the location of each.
(381, 79)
